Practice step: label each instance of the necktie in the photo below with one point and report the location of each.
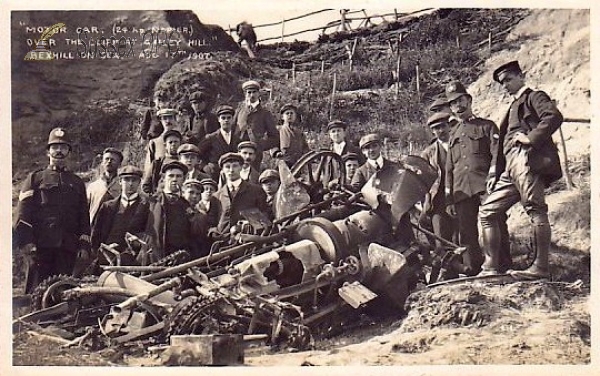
(377, 166)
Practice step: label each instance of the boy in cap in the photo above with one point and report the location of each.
(254, 122)
(351, 163)
(525, 163)
(189, 155)
(292, 143)
(434, 205)
(128, 212)
(52, 223)
(236, 195)
(171, 140)
(269, 181)
(337, 132)
(209, 204)
(469, 156)
(106, 187)
(224, 140)
(201, 122)
(370, 145)
(169, 225)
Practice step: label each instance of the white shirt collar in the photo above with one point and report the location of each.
(126, 201)
(226, 135)
(444, 144)
(235, 183)
(338, 148)
(520, 92)
(378, 160)
(253, 104)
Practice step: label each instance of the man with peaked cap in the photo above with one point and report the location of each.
(269, 181)
(202, 122)
(440, 104)
(106, 187)
(337, 132)
(169, 225)
(209, 204)
(469, 156)
(351, 163)
(170, 141)
(370, 146)
(237, 194)
(189, 155)
(192, 193)
(524, 164)
(128, 212)
(224, 140)
(292, 142)
(248, 150)
(254, 122)
(434, 205)
(52, 224)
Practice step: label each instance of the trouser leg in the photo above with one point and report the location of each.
(466, 212)
(443, 226)
(492, 216)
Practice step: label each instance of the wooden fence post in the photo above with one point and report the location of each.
(398, 61)
(332, 95)
(490, 42)
(395, 14)
(418, 83)
(322, 66)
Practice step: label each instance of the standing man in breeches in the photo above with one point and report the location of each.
(525, 163)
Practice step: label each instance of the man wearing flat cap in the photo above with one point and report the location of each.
(337, 132)
(169, 225)
(248, 150)
(292, 142)
(434, 205)
(171, 140)
(224, 140)
(151, 128)
(128, 212)
(106, 187)
(202, 121)
(254, 122)
(351, 162)
(209, 204)
(469, 156)
(525, 163)
(189, 155)
(236, 195)
(156, 148)
(52, 223)
(370, 146)
(269, 181)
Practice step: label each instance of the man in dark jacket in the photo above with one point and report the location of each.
(370, 145)
(52, 224)
(337, 132)
(202, 122)
(434, 205)
(224, 140)
(469, 155)
(128, 212)
(237, 194)
(525, 163)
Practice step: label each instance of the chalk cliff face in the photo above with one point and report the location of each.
(43, 91)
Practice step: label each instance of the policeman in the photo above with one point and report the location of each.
(52, 225)
(469, 157)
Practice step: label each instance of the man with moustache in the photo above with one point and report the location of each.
(52, 224)
(248, 150)
(106, 187)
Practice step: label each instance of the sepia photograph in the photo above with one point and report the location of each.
(303, 184)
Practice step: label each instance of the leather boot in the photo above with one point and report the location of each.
(541, 245)
(505, 256)
(491, 237)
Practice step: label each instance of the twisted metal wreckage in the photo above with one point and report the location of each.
(329, 253)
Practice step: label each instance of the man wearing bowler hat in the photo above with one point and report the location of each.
(525, 163)
(202, 121)
(237, 194)
(52, 223)
(370, 146)
(469, 155)
(254, 122)
(128, 212)
(224, 140)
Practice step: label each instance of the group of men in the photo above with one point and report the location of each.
(483, 170)
(200, 177)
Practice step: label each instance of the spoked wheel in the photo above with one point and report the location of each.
(316, 169)
(48, 292)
